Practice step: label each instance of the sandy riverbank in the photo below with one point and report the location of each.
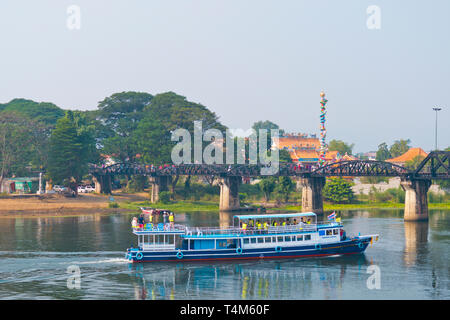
(58, 205)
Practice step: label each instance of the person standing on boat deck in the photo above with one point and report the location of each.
(141, 221)
(134, 223)
(258, 225)
(244, 227)
(165, 217)
(172, 220)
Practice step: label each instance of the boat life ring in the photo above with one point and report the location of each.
(139, 256)
(179, 255)
(278, 249)
(239, 250)
(361, 244)
(318, 246)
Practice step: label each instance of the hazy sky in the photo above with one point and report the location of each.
(246, 60)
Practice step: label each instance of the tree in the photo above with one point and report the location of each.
(167, 112)
(414, 163)
(22, 144)
(268, 125)
(285, 187)
(44, 112)
(383, 152)
(340, 146)
(267, 186)
(70, 151)
(338, 190)
(285, 156)
(119, 116)
(399, 147)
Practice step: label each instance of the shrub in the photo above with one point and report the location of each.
(113, 205)
(164, 197)
(338, 190)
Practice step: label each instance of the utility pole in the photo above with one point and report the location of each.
(435, 133)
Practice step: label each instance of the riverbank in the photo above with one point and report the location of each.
(58, 205)
(210, 206)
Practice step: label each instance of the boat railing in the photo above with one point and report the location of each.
(162, 228)
(201, 231)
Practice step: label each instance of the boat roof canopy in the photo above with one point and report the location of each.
(275, 216)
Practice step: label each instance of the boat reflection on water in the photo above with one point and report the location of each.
(276, 279)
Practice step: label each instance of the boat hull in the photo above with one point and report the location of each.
(337, 248)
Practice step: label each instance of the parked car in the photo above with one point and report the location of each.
(89, 188)
(60, 189)
(82, 189)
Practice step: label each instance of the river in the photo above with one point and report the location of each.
(39, 255)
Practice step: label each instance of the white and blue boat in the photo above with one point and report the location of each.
(265, 236)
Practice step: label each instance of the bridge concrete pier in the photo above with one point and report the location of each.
(229, 193)
(312, 200)
(159, 184)
(102, 184)
(416, 202)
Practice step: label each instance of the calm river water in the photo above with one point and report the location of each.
(37, 253)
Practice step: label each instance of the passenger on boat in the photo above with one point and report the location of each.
(244, 227)
(295, 221)
(150, 217)
(141, 221)
(134, 223)
(172, 220)
(166, 217)
(266, 226)
(258, 225)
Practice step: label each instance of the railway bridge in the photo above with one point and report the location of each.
(415, 182)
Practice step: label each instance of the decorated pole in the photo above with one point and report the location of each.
(323, 131)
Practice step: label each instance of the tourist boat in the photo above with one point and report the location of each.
(252, 237)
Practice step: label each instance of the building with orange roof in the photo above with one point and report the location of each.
(408, 156)
(303, 148)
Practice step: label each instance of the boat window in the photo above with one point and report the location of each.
(268, 239)
(335, 231)
(329, 232)
(299, 238)
(221, 244)
(253, 240)
(260, 240)
(246, 240)
(307, 237)
(171, 239)
(280, 239)
(274, 239)
(287, 238)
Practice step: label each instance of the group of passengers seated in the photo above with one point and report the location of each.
(259, 227)
(151, 221)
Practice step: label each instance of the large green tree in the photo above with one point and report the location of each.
(340, 146)
(119, 117)
(70, 151)
(338, 190)
(285, 187)
(167, 112)
(383, 152)
(399, 147)
(44, 112)
(267, 185)
(23, 145)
